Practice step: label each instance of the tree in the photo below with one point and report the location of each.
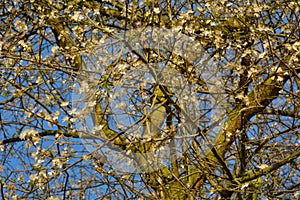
(46, 56)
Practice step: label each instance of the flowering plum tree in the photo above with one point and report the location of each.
(175, 99)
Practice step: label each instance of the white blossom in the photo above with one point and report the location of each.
(56, 162)
(245, 185)
(54, 49)
(77, 16)
(156, 10)
(34, 177)
(64, 103)
(296, 46)
(263, 166)
(28, 133)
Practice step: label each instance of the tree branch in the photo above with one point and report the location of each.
(251, 175)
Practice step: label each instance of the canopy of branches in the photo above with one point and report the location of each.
(149, 99)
